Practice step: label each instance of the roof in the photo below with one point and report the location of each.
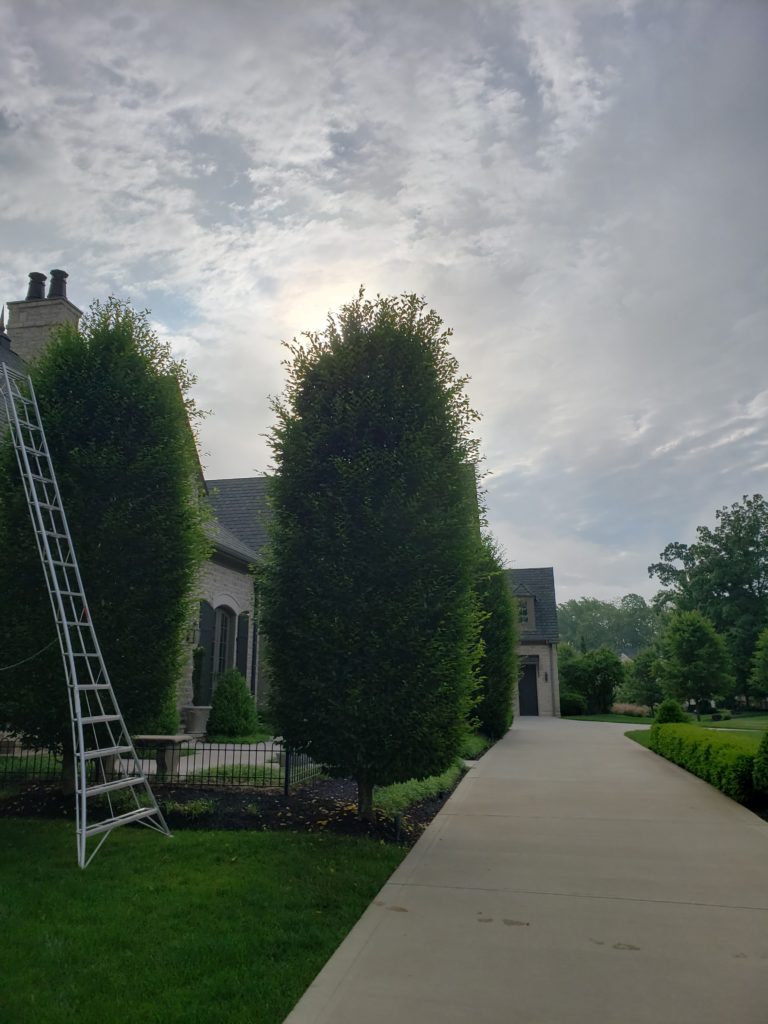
(240, 506)
(540, 585)
(228, 544)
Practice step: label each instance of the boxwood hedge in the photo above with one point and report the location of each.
(726, 761)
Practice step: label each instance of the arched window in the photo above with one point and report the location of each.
(224, 641)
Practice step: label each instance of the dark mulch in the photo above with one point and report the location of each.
(328, 805)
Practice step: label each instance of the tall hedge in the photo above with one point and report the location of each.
(498, 669)
(367, 591)
(115, 411)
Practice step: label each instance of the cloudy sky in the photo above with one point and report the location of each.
(577, 187)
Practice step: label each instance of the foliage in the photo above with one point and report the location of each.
(625, 625)
(595, 675)
(760, 767)
(724, 575)
(367, 590)
(725, 760)
(643, 679)
(114, 405)
(694, 664)
(498, 668)
(397, 798)
(572, 704)
(233, 712)
(670, 711)
(758, 678)
(632, 710)
(473, 745)
(192, 809)
(211, 944)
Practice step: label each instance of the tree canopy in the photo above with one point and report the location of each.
(724, 575)
(498, 667)
(625, 625)
(367, 590)
(595, 675)
(115, 406)
(694, 663)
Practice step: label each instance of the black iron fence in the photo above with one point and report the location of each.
(194, 764)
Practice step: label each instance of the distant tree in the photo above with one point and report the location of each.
(367, 591)
(498, 668)
(724, 575)
(694, 664)
(643, 679)
(114, 407)
(596, 675)
(625, 625)
(758, 680)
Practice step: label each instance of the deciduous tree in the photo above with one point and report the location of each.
(694, 664)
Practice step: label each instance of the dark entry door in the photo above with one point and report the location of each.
(529, 697)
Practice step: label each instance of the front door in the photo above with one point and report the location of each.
(529, 696)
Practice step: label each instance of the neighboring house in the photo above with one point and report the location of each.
(538, 691)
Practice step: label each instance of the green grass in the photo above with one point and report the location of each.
(260, 736)
(207, 926)
(749, 741)
(637, 720)
(269, 774)
(641, 736)
(396, 799)
(756, 723)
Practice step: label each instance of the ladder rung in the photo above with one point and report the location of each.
(90, 755)
(108, 787)
(91, 686)
(72, 593)
(96, 719)
(47, 505)
(120, 819)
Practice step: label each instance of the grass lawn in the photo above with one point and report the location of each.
(641, 736)
(635, 719)
(207, 926)
(756, 723)
(749, 741)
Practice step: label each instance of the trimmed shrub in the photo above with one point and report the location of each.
(670, 711)
(760, 768)
(725, 760)
(232, 709)
(572, 704)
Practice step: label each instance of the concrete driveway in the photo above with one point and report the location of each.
(573, 878)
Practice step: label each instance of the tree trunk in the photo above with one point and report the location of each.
(365, 799)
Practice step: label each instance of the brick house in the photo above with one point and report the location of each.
(538, 689)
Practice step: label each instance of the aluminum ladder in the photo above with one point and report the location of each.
(106, 763)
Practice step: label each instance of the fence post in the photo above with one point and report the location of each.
(287, 779)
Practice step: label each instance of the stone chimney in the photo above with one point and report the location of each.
(31, 320)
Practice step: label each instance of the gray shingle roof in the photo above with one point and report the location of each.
(240, 506)
(228, 544)
(539, 584)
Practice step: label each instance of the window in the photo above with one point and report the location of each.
(224, 641)
(526, 614)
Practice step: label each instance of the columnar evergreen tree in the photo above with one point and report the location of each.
(367, 592)
(115, 410)
(498, 669)
(694, 664)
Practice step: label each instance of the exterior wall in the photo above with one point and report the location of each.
(30, 323)
(547, 681)
(221, 584)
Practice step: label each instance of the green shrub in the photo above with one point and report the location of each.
(397, 798)
(760, 767)
(725, 760)
(572, 704)
(670, 711)
(232, 709)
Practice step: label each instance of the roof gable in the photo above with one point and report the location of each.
(240, 506)
(540, 585)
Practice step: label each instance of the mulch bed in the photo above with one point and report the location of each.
(328, 805)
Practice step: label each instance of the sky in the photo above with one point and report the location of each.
(578, 187)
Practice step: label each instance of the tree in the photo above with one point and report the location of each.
(694, 663)
(643, 679)
(595, 675)
(367, 591)
(114, 406)
(625, 625)
(498, 667)
(724, 575)
(233, 712)
(758, 679)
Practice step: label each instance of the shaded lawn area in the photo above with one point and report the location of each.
(751, 723)
(207, 926)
